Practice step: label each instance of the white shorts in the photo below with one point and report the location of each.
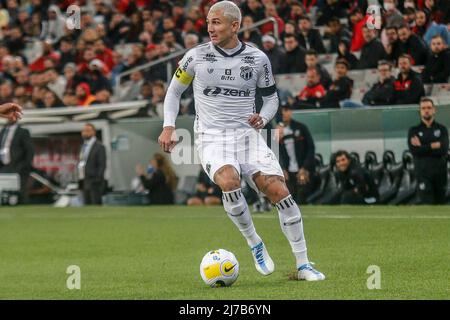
(246, 150)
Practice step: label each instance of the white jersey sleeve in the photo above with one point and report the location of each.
(267, 87)
(181, 79)
(266, 81)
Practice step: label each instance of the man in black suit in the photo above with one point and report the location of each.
(372, 51)
(411, 44)
(16, 153)
(297, 152)
(293, 60)
(310, 38)
(91, 167)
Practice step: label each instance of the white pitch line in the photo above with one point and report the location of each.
(359, 217)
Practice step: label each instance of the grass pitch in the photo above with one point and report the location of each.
(155, 252)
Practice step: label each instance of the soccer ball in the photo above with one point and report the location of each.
(219, 268)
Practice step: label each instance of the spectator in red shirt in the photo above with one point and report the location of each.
(314, 91)
(408, 87)
(48, 53)
(358, 21)
(104, 54)
(308, 4)
(84, 96)
(271, 11)
(88, 56)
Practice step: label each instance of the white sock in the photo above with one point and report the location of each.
(292, 226)
(236, 207)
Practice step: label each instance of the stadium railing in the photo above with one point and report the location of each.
(80, 113)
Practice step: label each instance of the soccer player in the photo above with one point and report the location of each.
(11, 111)
(225, 74)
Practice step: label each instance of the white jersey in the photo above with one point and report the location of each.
(225, 84)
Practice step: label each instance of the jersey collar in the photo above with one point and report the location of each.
(226, 55)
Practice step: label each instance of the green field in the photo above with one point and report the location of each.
(155, 252)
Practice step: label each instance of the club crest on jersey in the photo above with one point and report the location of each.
(246, 73)
(437, 133)
(210, 70)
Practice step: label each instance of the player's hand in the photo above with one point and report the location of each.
(11, 111)
(256, 121)
(167, 139)
(436, 145)
(415, 141)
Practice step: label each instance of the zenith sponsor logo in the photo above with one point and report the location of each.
(215, 91)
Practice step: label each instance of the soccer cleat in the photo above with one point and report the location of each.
(308, 273)
(263, 262)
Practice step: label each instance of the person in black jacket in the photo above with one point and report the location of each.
(254, 9)
(408, 87)
(372, 51)
(297, 152)
(344, 53)
(411, 44)
(335, 32)
(437, 68)
(91, 166)
(294, 59)
(309, 38)
(312, 61)
(16, 154)
(382, 92)
(428, 142)
(160, 180)
(273, 52)
(207, 192)
(357, 185)
(393, 44)
(341, 87)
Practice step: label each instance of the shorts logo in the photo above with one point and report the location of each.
(437, 133)
(246, 73)
(208, 168)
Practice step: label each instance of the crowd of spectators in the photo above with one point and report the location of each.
(46, 64)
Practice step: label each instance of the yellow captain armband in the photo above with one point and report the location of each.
(184, 77)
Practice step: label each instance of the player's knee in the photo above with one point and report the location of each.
(227, 178)
(277, 192)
